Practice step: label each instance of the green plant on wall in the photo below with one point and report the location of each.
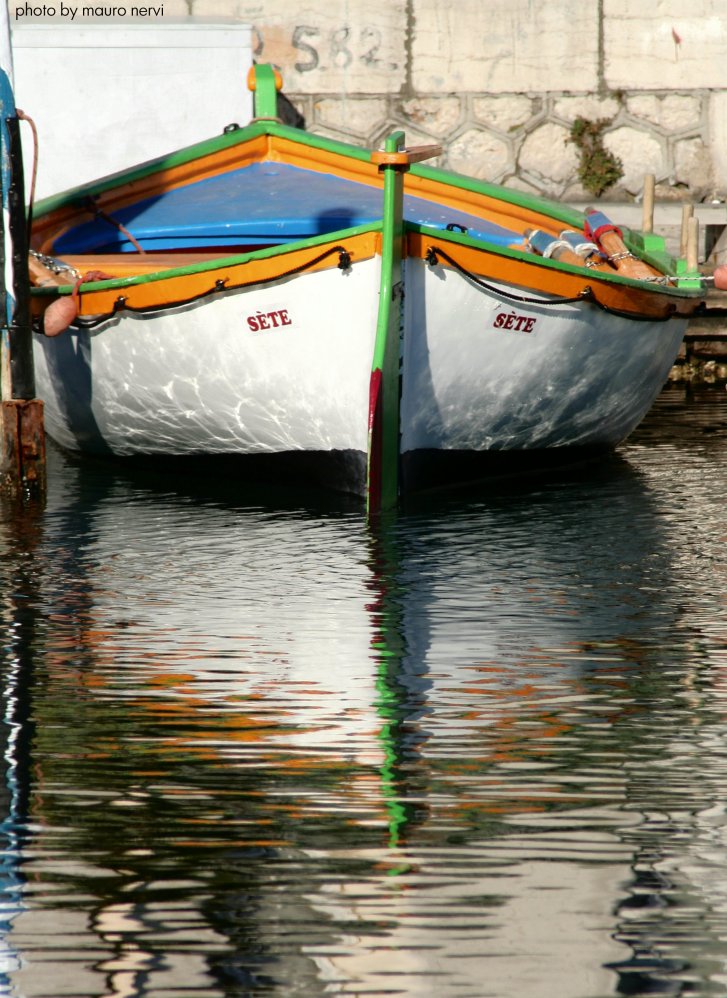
(599, 169)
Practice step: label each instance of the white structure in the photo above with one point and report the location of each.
(105, 98)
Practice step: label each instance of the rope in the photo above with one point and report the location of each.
(344, 262)
(431, 259)
(585, 294)
(22, 116)
(97, 212)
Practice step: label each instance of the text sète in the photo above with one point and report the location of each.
(511, 320)
(269, 320)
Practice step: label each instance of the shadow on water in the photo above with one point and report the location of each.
(253, 745)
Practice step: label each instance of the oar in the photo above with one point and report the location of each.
(609, 237)
(551, 247)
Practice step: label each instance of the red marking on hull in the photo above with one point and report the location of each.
(375, 439)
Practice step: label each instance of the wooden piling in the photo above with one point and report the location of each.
(647, 224)
(687, 214)
(693, 245)
(22, 459)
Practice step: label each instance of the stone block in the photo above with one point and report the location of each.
(325, 46)
(437, 115)
(516, 183)
(670, 48)
(478, 153)
(575, 193)
(693, 165)
(673, 112)
(357, 118)
(718, 135)
(549, 154)
(640, 152)
(589, 106)
(504, 46)
(506, 113)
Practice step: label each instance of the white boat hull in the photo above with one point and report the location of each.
(278, 369)
(285, 368)
(487, 373)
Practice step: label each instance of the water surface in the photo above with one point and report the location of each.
(253, 745)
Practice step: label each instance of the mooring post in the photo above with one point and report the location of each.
(22, 437)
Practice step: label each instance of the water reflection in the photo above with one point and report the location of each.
(256, 746)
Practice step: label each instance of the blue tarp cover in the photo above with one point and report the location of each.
(260, 204)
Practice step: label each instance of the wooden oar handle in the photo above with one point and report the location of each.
(609, 238)
(552, 247)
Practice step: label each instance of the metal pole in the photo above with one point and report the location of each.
(22, 372)
(22, 434)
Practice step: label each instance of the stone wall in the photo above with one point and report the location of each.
(501, 83)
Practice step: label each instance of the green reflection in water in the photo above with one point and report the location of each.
(390, 649)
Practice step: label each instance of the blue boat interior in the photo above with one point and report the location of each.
(262, 204)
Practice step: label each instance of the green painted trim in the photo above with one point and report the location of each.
(186, 155)
(239, 136)
(257, 128)
(554, 209)
(212, 265)
(143, 170)
(652, 249)
(266, 106)
(550, 264)
(265, 95)
(685, 288)
(383, 467)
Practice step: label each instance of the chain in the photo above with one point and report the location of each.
(54, 265)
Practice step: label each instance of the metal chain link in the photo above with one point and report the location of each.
(54, 265)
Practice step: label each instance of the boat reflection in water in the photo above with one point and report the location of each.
(276, 750)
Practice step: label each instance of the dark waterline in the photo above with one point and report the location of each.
(253, 746)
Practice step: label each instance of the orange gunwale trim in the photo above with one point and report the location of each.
(165, 288)
(470, 202)
(146, 281)
(628, 298)
(48, 228)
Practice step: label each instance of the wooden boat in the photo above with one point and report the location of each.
(270, 294)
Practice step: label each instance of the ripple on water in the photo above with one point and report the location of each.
(255, 746)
